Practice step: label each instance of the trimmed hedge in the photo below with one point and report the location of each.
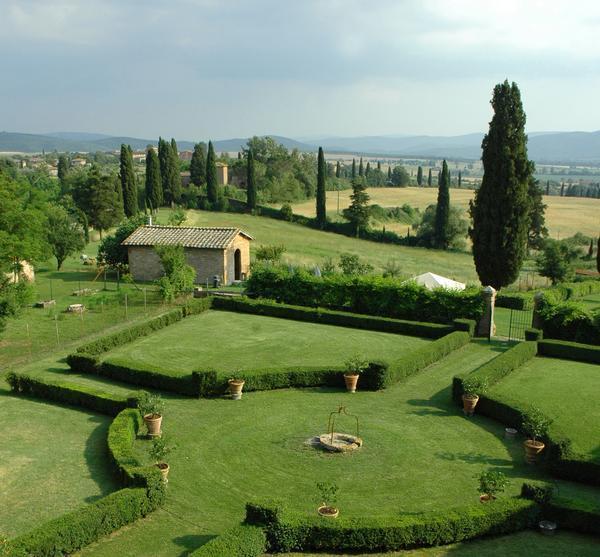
(467, 325)
(288, 531)
(72, 394)
(570, 350)
(515, 300)
(534, 334)
(364, 294)
(571, 514)
(241, 541)
(331, 317)
(72, 531)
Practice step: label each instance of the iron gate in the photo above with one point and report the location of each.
(520, 319)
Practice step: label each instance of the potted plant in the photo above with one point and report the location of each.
(159, 451)
(472, 388)
(490, 484)
(151, 407)
(235, 388)
(354, 367)
(535, 425)
(328, 497)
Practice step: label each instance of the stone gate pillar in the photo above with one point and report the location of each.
(486, 327)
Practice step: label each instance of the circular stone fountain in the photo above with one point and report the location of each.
(340, 442)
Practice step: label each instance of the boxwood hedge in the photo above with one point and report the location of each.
(241, 541)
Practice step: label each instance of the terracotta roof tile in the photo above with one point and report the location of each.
(188, 237)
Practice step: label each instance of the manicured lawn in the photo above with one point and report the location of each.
(53, 460)
(566, 391)
(523, 544)
(230, 341)
(591, 302)
(420, 453)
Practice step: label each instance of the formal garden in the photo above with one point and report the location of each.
(245, 473)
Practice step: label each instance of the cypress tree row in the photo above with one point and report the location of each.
(420, 176)
(128, 183)
(441, 237)
(250, 182)
(321, 199)
(429, 179)
(153, 185)
(212, 184)
(198, 166)
(500, 210)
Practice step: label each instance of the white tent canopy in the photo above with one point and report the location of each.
(431, 281)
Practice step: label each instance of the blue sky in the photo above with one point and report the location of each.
(231, 68)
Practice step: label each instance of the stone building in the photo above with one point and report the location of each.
(222, 252)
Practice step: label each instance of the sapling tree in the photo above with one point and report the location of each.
(150, 404)
(535, 423)
(356, 364)
(327, 493)
(160, 449)
(491, 483)
(474, 386)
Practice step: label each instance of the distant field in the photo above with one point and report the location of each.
(229, 341)
(564, 216)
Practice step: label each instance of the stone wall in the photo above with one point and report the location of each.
(243, 244)
(207, 262)
(144, 263)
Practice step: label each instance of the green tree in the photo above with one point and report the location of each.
(175, 172)
(537, 220)
(400, 177)
(459, 178)
(179, 277)
(353, 175)
(166, 171)
(500, 210)
(389, 176)
(153, 185)
(198, 165)
(250, 181)
(361, 169)
(212, 184)
(555, 261)
(110, 250)
(338, 170)
(457, 229)
(358, 212)
(429, 179)
(101, 200)
(63, 168)
(368, 169)
(420, 176)
(128, 181)
(65, 233)
(442, 211)
(598, 255)
(321, 199)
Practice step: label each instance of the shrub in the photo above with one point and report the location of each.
(160, 448)
(273, 254)
(356, 365)
(533, 334)
(568, 321)
(535, 423)
(150, 403)
(474, 386)
(327, 493)
(364, 294)
(491, 483)
(286, 212)
(240, 541)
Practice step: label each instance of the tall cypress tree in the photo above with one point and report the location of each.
(368, 169)
(459, 178)
(198, 165)
(358, 212)
(338, 170)
(212, 184)
(500, 210)
(379, 166)
(62, 168)
(598, 255)
(353, 169)
(164, 159)
(420, 176)
(128, 182)
(361, 169)
(441, 236)
(321, 199)
(389, 173)
(250, 182)
(429, 179)
(175, 172)
(153, 185)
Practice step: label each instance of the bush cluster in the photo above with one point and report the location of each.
(569, 321)
(371, 295)
(288, 531)
(240, 541)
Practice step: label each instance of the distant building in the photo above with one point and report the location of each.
(186, 178)
(185, 155)
(78, 162)
(139, 156)
(222, 252)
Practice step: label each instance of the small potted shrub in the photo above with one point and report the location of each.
(159, 451)
(535, 425)
(472, 388)
(151, 407)
(235, 388)
(354, 367)
(490, 484)
(328, 497)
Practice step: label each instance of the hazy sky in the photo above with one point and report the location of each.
(195, 69)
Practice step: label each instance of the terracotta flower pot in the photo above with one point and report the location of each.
(484, 498)
(164, 470)
(469, 403)
(235, 388)
(153, 423)
(328, 512)
(351, 381)
(532, 450)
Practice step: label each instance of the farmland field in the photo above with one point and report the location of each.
(230, 341)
